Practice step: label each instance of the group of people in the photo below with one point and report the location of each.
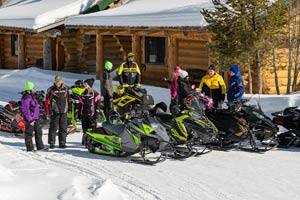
(212, 85)
(58, 101)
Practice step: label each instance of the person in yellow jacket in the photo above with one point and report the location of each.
(129, 72)
(213, 85)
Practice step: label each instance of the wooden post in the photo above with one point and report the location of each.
(47, 54)
(136, 48)
(99, 55)
(21, 51)
(171, 54)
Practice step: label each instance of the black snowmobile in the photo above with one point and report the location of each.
(116, 138)
(261, 126)
(244, 123)
(289, 118)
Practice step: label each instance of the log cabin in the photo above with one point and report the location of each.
(162, 35)
(32, 33)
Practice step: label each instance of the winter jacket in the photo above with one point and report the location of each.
(236, 88)
(213, 87)
(129, 73)
(183, 90)
(57, 99)
(90, 103)
(30, 107)
(106, 85)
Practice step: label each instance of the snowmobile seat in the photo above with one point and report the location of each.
(112, 129)
(147, 102)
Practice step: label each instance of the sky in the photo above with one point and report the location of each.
(76, 174)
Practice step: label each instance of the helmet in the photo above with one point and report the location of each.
(108, 65)
(29, 85)
(130, 54)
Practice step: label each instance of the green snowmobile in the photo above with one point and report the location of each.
(127, 139)
(185, 129)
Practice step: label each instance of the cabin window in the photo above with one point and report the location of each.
(14, 45)
(155, 50)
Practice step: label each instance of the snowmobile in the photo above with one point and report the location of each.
(261, 126)
(127, 98)
(241, 123)
(289, 119)
(11, 118)
(116, 138)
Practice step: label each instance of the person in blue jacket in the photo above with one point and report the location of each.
(236, 86)
(31, 111)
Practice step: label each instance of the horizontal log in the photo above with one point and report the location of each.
(199, 54)
(191, 44)
(192, 60)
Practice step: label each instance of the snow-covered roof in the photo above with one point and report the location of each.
(147, 13)
(35, 14)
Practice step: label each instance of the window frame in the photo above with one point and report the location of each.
(160, 58)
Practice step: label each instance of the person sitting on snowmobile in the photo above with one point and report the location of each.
(90, 107)
(129, 72)
(107, 88)
(31, 113)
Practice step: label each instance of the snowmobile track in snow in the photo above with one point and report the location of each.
(98, 170)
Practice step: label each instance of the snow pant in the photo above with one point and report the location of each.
(108, 107)
(86, 123)
(58, 121)
(38, 133)
(173, 103)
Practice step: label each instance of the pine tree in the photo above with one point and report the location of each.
(241, 28)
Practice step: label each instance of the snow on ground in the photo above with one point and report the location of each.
(76, 174)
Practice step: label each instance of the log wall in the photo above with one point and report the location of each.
(73, 43)
(34, 50)
(11, 62)
(1, 51)
(192, 54)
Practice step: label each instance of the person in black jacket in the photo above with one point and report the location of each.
(129, 72)
(184, 87)
(90, 107)
(107, 88)
(57, 106)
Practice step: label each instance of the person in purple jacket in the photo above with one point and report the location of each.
(31, 113)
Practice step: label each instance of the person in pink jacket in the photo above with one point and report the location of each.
(173, 87)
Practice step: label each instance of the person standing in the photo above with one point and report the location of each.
(90, 107)
(213, 85)
(31, 112)
(57, 106)
(236, 85)
(107, 88)
(129, 72)
(173, 87)
(184, 87)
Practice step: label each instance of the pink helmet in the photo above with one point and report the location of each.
(176, 69)
(208, 101)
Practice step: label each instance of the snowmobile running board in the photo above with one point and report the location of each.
(147, 160)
